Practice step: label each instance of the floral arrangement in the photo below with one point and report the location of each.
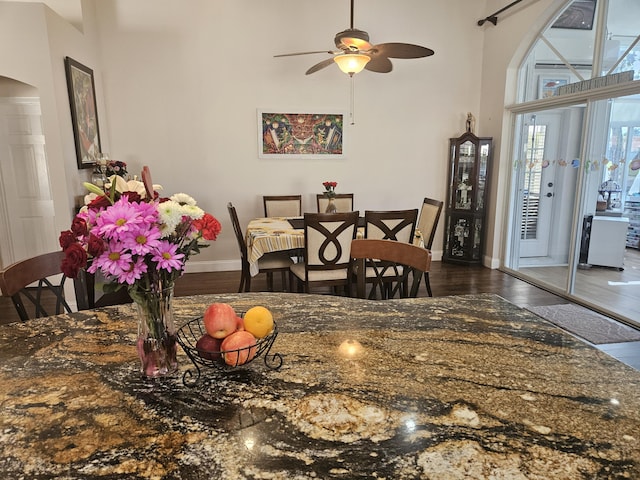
(330, 189)
(134, 237)
(116, 167)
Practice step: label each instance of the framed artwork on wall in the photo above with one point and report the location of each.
(577, 16)
(287, 134)
(548, 83)
(84, 113)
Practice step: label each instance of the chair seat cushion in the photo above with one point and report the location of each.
(319, 276)
(274, 260)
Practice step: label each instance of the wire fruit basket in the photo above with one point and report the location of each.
(189, 334)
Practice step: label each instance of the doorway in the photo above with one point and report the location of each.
(26, 203)
(540, 166)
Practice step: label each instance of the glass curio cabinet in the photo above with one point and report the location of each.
(468, 176)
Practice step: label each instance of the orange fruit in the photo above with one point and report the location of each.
(258, 321)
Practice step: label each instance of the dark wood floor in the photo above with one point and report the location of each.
(446, 279)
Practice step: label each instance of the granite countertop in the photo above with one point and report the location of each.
(435, 388)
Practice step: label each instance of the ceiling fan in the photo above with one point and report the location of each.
(356, 53)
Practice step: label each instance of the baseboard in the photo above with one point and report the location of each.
(213, 266)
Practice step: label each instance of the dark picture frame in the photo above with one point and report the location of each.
(577, 16)
(84, 112)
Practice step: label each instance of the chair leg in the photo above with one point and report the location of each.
(270, 281)
(292, 283)
(283, 274)
(241, 287)
(427, 284)
(247, 282)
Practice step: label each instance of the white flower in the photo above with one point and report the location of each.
(129, 186)
(170, 213)
(183, 199)
(192, 211)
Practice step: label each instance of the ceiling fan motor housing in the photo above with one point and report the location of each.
(352, 39)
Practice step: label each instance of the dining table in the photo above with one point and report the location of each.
(276, 234)
(458, 387)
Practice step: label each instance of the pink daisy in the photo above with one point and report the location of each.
(166, 256)
(113, 261)
(134, 272)
(118, 219)
(142, 239)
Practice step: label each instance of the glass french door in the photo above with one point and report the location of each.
(574, 189)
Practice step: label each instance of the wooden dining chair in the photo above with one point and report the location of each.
(269, 263)
(282, 205)
(36, 286)
(427, 225)
(399, 225)
(393, 269)
(343, 201)
(327, 238)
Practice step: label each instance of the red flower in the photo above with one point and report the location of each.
(209, 226)
(133, 196)
(99, 202)
(66, 238)
(79, 227)
(75, 259)
(95, 246)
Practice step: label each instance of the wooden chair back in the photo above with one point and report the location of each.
(36, 286)
(343, 201)
(428, 220)
(282, 205)
(237, 229)
(399, 225)
(393, 269)
(327, 239)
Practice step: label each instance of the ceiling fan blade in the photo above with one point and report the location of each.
(320, 66)
(402, 50)
(305, 53)
(379, 64)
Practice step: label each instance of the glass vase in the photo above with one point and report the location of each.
(331, 206)
(157, 347)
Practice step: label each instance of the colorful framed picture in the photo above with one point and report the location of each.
(547, 85)
(287, 134)
(84, 113)
(577, 16)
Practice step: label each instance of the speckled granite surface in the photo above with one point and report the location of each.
(445, 388)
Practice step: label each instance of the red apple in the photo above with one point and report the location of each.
(220, 320)
(209, 347)
(238, 348)
(239, 323)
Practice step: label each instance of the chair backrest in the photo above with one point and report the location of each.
(343, 201)
(242, 245)
(398, 225)
(428, 220)
(328, 239)
(282, 205)
(40, 281)
(391, 268)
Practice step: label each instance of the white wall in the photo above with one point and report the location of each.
(178, 84)
(186, 84)
(33, 41)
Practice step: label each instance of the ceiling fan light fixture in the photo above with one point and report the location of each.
(351, 63)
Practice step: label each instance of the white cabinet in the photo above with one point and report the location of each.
(607, 241)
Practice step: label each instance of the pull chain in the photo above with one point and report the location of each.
(352, 101)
